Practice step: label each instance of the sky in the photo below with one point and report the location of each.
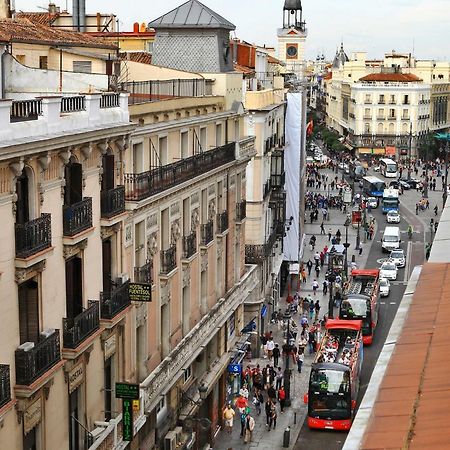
(421, 27)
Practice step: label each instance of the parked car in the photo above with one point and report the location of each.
(388, 270)
(385, 287)
(393, 217)
(398, 257)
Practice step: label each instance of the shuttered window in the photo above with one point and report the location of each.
(28, 312)
(82, 66)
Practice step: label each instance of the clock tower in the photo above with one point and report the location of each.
(291, 38)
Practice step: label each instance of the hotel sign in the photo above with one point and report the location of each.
(32, 415)
(76, 376)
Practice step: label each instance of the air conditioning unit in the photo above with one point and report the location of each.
(170, 441)
(47, 333)
(26, 346)
(122, 278)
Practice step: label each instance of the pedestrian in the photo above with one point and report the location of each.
(315, 286)
(228, 415)
(436, 224)
(360, 249)
(435, 210)
(276, 355)
(322, 258)
(417, 209)
(309, 265)
(317, 271)
(303, 272)
(244, 414)
(282, 398)
(249, 427)
(317, 258)
(300, 359)
(311, 341)
(258, 400)
(279, 378)
(329, 234)
(268, 411)
(338, 236)
(325, 287)
(317, 310)
(272, 393)
(311, 311)
(270, 345)
(322, 228)
(273, 417)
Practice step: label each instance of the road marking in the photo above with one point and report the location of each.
(382, 303)
(392, 303)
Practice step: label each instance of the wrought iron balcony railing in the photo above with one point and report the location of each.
(34, 236)
(143, 185)
(77, 217)
(168, 259)
(113, 202)
(77, 329)
(222, 222)
(256, 254)
(33, 361)
(115, 301)
(144, 274)
(5, 385)
(277, 181)
(241, 211)
(190, 245)
(207, 232)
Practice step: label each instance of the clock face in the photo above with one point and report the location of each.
(291, 51)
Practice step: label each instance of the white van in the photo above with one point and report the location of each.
(391, 239)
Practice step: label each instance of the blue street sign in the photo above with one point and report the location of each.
(234, 368)
(264, 311)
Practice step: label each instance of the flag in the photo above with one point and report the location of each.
(251, 326)
(310, 128)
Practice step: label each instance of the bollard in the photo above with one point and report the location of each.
(353, 258)
(286, 437)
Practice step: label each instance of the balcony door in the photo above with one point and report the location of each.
(74, 287)
(108, 172)
(30, 440)
(23, 201)
(73, 192)
(74, 434)
(29, 311)
(107, 266)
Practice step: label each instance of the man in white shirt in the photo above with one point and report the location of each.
(270, 346)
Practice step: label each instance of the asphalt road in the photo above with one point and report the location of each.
(414, 249)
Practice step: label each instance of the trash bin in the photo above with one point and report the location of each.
(286, 437)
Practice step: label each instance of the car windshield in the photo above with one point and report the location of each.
(372, 199)
(383, 282)
(388, 266)
(392, 202)
(354, 307)
(390, 238)
(397, 255)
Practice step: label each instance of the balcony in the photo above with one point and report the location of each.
(207, 232)
(143, 185)
(381, 117)
(77, 329)
(241, 211)
(34, 236)
(168, 260)
(112, 202)
(222, 222)
(189, 245)
(115, 301)
(367, 117)
(392, 117)
(77, 217)
(277, 181)
(144, 274)
(5, 385)
(34, 361)
(256, 254)
(266, 189)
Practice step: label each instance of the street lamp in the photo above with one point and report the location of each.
(358, 237)
(346, 245)
(287, 371)
(331, 280)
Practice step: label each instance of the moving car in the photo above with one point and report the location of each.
(404, 184)
(391, 239)
(385, 287)
(398, 257)
(373, 202)
(393, 217)
(395, 184)
(376, 168)
(411, 182)
(388, 270)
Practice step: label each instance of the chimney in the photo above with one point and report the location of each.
(79, 15)
(5, 9)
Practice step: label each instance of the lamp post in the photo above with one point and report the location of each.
(346, 245)
(287, 371)
(358, 237)
(331, 280)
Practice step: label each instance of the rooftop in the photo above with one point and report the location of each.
(191, 14)
(391, 77)
(139, 57)
(40, 18)
(25, 31)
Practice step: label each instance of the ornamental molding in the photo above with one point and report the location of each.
(24, 274)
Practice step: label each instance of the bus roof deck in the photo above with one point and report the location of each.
(364, 284)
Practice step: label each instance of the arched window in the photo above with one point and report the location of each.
(391, 128)
(380, 128)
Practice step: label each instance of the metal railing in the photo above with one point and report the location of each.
(169, 259)
(155, 91)
(77, 329)
(267, 188)
(207, 232)
(32, 364)
(109, 100)
(255, 254)
(190, 245)
(112, 202)
(22, 110)
(77, 217)
(5, 385)
(241, 211)
(277, 180)
(115, 301)
(34, 236)
(75, 103)
(222, 222)
(143, 185)
(144, 274)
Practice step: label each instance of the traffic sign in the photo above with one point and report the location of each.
(127, 390)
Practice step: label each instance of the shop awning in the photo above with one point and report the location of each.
(373, 151)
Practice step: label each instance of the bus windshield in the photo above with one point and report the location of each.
(391, 168)
(390, 201)
(354, 308)
(330, 381)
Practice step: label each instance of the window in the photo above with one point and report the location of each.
(187, 374)
(367, 112)
(21, 59)
(138, 158)
(43, 62)
(368, 99)
(82, 66)
(381, 113)
(367, 128)
(406, 100)
(392, 114)
(405, 114)
(162, 151)
(203, 140)
(381, 99)
(218, 135)
(150, 47)
(184, 137)
(392, 100)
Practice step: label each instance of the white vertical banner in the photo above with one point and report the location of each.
(292, 158)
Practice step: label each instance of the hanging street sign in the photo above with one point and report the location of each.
(140, 292)
(127, 391)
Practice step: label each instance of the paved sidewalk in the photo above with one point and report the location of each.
(294, 416)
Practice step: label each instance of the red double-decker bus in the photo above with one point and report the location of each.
(334, 378)
(361, 301)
